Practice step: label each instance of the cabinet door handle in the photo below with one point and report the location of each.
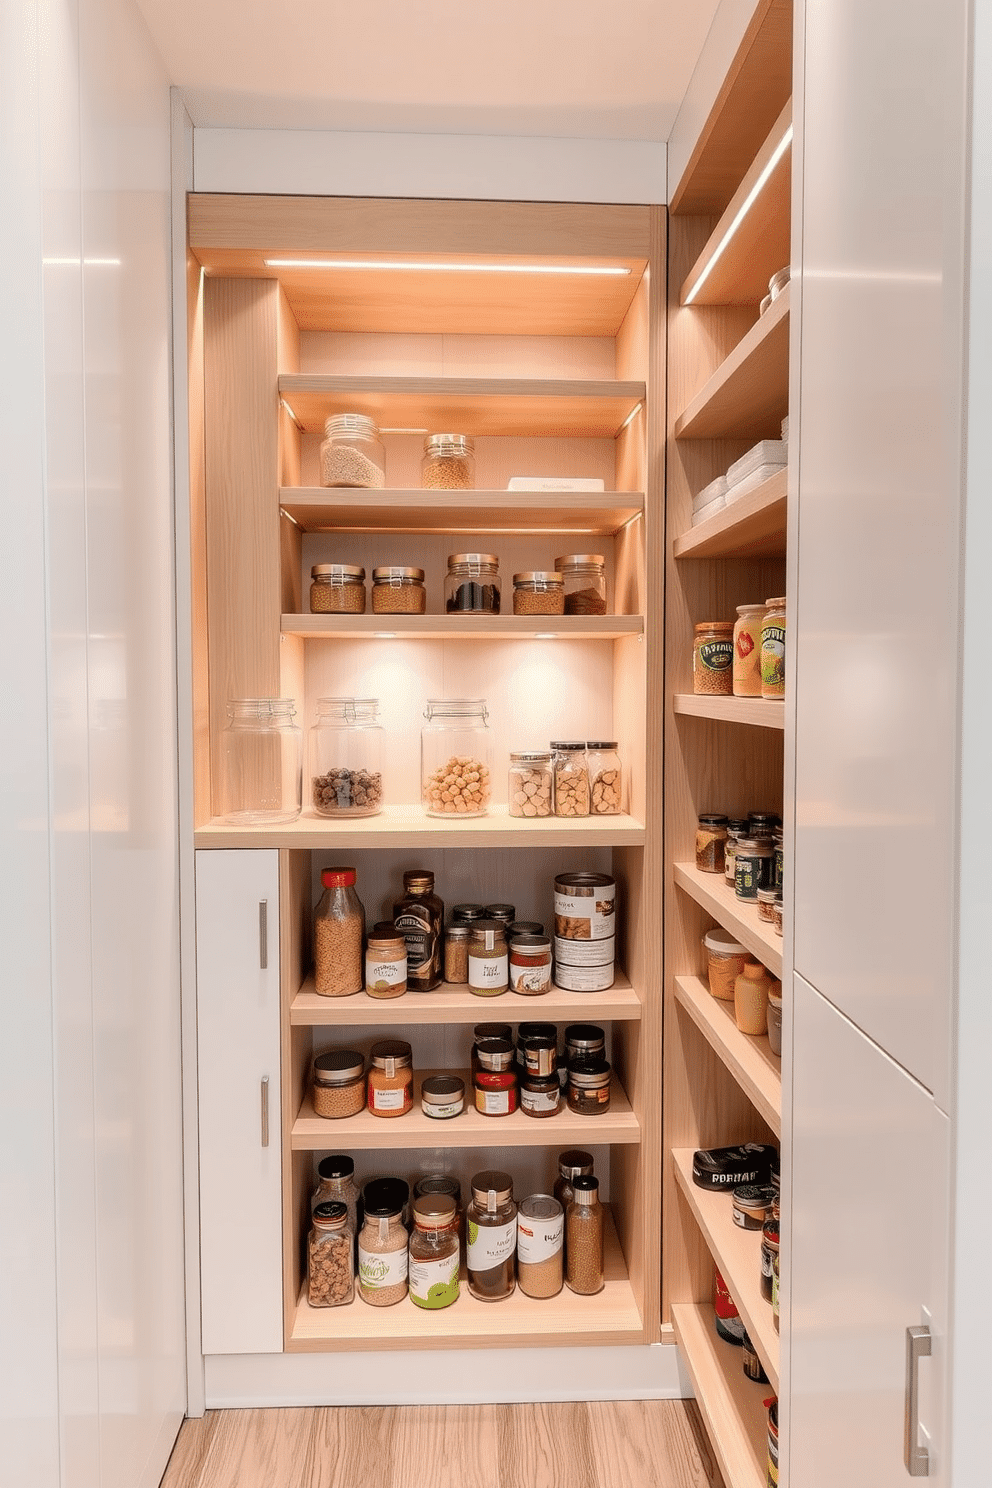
(265, 1110)
(263, 934)
(917, 1458)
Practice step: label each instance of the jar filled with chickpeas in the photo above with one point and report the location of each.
(530, 784)
(456, 757)
(605, 778)
(571, 777)
(713, 658)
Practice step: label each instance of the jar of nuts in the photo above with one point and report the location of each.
(448, 463)
(456, 757)
(538, 592)
(605, 778)
(346, 757)
(352, 453)
(330, 1257)
(530, 784)
(571, 773)
(337, 589)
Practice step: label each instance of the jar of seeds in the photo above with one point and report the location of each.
(585, 583)
(538, 592)
(336, 1185)
(605, 778)
(540, 1246)
(383, 1259)
(338, 933)
(352, 453)
(337, 589)
(530, 784)
(584, 1238)
(338, 1083)
(488, 959)
(345, 757)
(330, 1257)
(398, 591)
(571, 777)
(448, 463)
(492, 1237)
(456, 954)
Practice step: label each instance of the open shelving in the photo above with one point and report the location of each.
(749, 1059)
(751, 527)
(410, 827)
(731, 1405)
(464, 627)
(326, 509)
(756, 712)
(717, 897)
(747, 395)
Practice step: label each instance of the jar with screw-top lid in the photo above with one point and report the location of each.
(398, 591)
(589, 1088)
(336, 1185)
(571, 1164)
(338, 1083)
(585, 583)
(571, 772)
(448, 463)
(261, 762)
(492, 1236)
(385, 961)
(330, 1257)
(605, 777)
(456, 954)
(383, 1255)
(352, 453)
(538, 591)
(390, 1078)
(495, 1078)
(420, 916)
(530, 965)
(345, 757)
(737, 827)
(713, 658)
(472, 584)
(584, 1238)
(434, 1251)
(488, 959)
(338, 933)
(530, 783)
(584, 1042)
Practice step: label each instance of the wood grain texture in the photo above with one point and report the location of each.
(750, 1060)
(464, 627)
(754, 712)
(295, 877)
(730, 1404)
(752, 527)
(642, 1442)
(322, 509)
(747, 395)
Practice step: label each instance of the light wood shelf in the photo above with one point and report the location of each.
(410, 827)
(751, 527)
(335, 509)
(750, 1060)
(732, 1406)
(471, 1129)
(714, 894)
(747, 396)
(550, 407)
(611, 1316)
(464, 627)
(737, 1254)
(755, 712)
(456, 1004)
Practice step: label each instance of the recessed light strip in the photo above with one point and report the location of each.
(740, 214)
(444, 268)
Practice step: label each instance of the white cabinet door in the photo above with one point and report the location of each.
(869, 1170)
(238, 1052)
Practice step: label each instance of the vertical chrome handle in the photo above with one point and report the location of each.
(265, 1110)
(917, 1458)
(263, 934)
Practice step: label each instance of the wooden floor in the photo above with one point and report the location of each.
(614, 1444)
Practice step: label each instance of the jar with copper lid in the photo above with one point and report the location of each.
(352, 453)
(337, 589)
(713, 658)
(472, 585)
(398, 591)
(585, 583)
(390, 1082)
(448, 463)
(540, 1095)
(492, 1236)
(538, 592)
(488, 959)
(773, 649)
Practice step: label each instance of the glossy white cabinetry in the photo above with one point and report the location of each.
(237, 954)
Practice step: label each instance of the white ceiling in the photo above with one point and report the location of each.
(588, 69)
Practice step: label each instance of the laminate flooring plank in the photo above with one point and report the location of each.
(651, 1443)
(256, 1449)
(545, 1446)
(185, 1466)
(445, 1446)
(347, 1446)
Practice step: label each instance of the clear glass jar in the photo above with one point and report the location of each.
(713, 658)
(352, 453)
(530, 785)
(336, 1185)
(711, 841)
(390, 1078)
(448, 463)
(338, 935)
(472, 584)
(398, 591)
(737, 827)
(747, 651)
(571, 772)
(385, 961)
(584, 1042)
(540, 1246)
(345, 757)
(330, 1257)
(488, 959)
(456, 757)
(538, 592)
(456, 955)
(492, 1237)
(589, 1088)
(571, 1164)
(383, 1255)
(337, 589)
(605, 778)
(261, 756)
(530, 965)
(434, 1251)
(338, 1084)
(584, 1238)
(495, 1078)
(585, 583)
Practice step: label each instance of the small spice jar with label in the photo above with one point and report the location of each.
(383, 1257)
(492, 1236)
(530, 784)
(540, 1095)
(754, 866)
(530, 965)
(605, 778)
(538, 592)
(448, 463)
(488, 959)
(767, 899)
(442, 1096)
(385, 961)
(390, 1081)
(737, 827)
(773, 649)
(338, 1083)
(484, 1031)
(495, 1078)
(337, 589)
(398, 591)
(585, 583)
(713, 658)
(540, 1246)
(747, 651)
(711, 840)
(456, 954)
(589, 1088)
(434, 1252)
(778, 923)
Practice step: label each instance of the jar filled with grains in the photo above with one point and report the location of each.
(448, 463)
(398, 591)
(492, 1237)
(472, 585)
(488, 959)
(456, 757)
(434, 1252)
(530, 783)
(538, 592)
(383, 1257)
(390, 1078)
(338, 933)
(589, 1088)
(336, 1185)
(385, 961)
(605, 778)
(330, 1257)
(711, 839)
(456, 954)
(767, 899)
(584, 1238)
(585, 583)
(571, 773)
(540, 1246)
(338, 1083)
(713, 658)
(352, 453)
(495, 1078)
(345, 757)
(337, 589)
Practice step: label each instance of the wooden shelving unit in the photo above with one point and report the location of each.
(326, 509)
(464, 628)
(712, 893)
(750, 1060)
(751, 527)
(732, 1406)
(755, 712)
(747, 396)
(456, 1004)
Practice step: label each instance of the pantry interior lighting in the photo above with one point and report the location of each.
(88, 263)
(614, 270)
(630, 417)
(740, 214)
(385, 635)
(545, 635)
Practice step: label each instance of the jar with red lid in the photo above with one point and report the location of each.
(530, 965)
(495, 1078)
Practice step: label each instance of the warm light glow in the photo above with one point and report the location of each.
(630, 417)
(741, 213)
(284, 404)
(74, 263)
(385, 635)
(545, 635)
(445, 268)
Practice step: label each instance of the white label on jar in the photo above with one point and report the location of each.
(381, 1269)
(484, 974)
(440, 1112)
(386, 1100)
(584, 978)
(595, 911)
(434, 1283)
(539, 1100)
(539, 1239)
(530, 979)
(493, 1102)
(384, 973)
(490, 1245)
(584, 952)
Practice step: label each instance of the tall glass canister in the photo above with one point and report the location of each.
(456, 757)
(261, 762)
(345, 758)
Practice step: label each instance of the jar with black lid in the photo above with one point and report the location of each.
(383, 1254)
(584, 1042)
(540, 1095)
(472, 584)
(483, 1031)
(442, 1096)
(336, 1185)
(495, 1078)
(492, 1230)
(530, 1030)
(711, 840)
(390, 1079)
(503, 914)
(338, 1083)
(524, 927)
(754, 866)
(571, 1164)
(464, 914)
(737, 827)
(763, 823)
(540, 1051)
(589, 1088)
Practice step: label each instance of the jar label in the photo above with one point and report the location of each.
(487, 973)
(381, 975)
(531, 979)
(388, 1100)
(586, 916)
(496, 1102)
(434, 1283)
(584, 952)
(490, 1245)
(416, 927)
(442, 1112)
(540, 1100)
(746, 877)
(539, 1239)
(773, 657)
(381, 1268)
(584, 978)
(715, 656)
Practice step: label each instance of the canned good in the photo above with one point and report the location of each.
(442, 1096)
(540, 1245)
(584, 978)
(585, 906)
(584, 1042)
(530, 965)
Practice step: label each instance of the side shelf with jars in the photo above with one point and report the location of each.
(469, 636)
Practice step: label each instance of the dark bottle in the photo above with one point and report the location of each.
(420, 916)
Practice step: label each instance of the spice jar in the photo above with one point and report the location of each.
(337, 589)
(440, 1183)
(338, 1083)
(336, 1184)
(540, 1246)
(775, 1021)
(456, 757)
(750, 1363)
(725, 960)
(737, 827)
(488, 960)
(747, 651)
(383, 1259)
(773, 649)
(530, 784)
(495, 1078)
(530, 965)
(448, 463)
(711, 840)
(338, 932)
(503, 914)
(767, 899)
(538, 592)
(523, 927)
(390, 1078)
(584, 1043)
(751, 998)
(330, 1257)
(540, 1095)
(484, 1031)
(605, 778)
(764, 824)
(769, 1253)
(472, 584)
(539, 1050)
(464, 914)
(585, 583)
(352, 453)
(754, 866)
(420, 916)
(434, 1252)
(492, 1236)
(571, 1164)
(398, 591)
(584, 1237)
(589, 1088)
(456, 954)
(713, 658)
(345, 757)
(777, 921)
(261, 762)
(385, 961)
(442, 1096)
(752, 1203)
(571, 777)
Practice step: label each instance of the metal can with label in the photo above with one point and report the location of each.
(540, 1246)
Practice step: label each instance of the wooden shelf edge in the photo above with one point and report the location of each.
(752, 712)
(463, 628)
(410, 827)
(731, 1405)
(754, 526)
(719, 900)
(760, 342)
(456, 1004)
(467, 387)
(750, 1060)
